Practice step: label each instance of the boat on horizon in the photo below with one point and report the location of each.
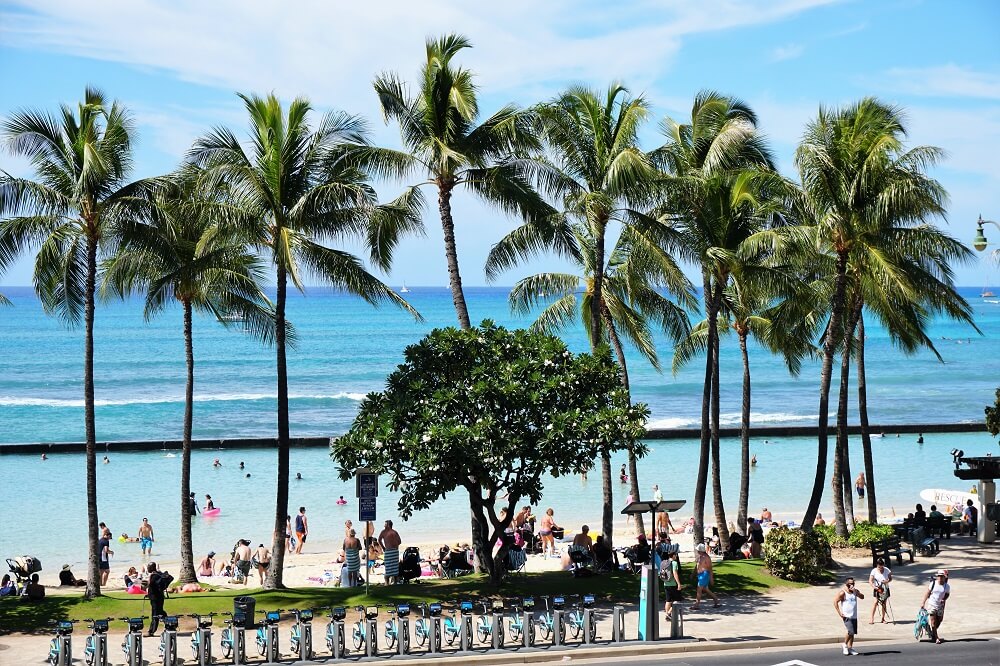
(403, 289)
(987, 293)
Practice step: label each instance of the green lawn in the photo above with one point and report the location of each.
(732, 577)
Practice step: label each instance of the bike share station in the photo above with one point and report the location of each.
(649, 585)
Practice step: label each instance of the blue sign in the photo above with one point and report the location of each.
(366, 509)
(367, 483)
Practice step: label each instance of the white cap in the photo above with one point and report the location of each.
(700, 548)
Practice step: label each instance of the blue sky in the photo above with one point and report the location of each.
(177, 64)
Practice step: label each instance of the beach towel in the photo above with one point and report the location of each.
(391, 560)
(353, 560)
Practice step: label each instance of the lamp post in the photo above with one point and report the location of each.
(979, 242)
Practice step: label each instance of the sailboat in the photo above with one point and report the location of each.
(403, 289)
(987, 292)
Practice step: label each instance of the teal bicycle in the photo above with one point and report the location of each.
(516, 620)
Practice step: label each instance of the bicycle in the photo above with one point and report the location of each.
(423, 626)
(392, 628)
(132, 645)
(267, 635)
(360, 636)
(335, 633)
(576, 617)
(96, 650)
(168, 640)
(545, 621)
(516, 620)
(300, 641)
(484, 628)
(201, 638)
(61, 645)
(453, 626)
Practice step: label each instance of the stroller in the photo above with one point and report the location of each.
(22, 567)
(409, 565)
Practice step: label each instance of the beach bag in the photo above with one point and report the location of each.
(921, 625)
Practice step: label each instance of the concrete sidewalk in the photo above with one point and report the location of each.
(787, 617)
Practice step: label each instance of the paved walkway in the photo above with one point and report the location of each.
(787, 617)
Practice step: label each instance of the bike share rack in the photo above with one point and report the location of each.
(168, 640)
(434, 617)
(96, 652)
(403, 629)
(371, 631)
(337, 616)
(496, 624)
(466, 627)
(558, 622)
(303, 647)
(618, 624)
(201, 639)
(588, 619)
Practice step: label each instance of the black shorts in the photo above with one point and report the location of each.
(673, 594)
(105, 566)
(851, 624)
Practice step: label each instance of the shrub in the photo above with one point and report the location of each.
(796, 555)
(864, 533)
(830, 532)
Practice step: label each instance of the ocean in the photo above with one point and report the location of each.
(346, 349)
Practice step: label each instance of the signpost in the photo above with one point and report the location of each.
(367, 491)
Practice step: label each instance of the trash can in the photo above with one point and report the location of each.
(247, 606)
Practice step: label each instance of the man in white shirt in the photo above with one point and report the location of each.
(846, 605)
(934, 600)
(879, 579)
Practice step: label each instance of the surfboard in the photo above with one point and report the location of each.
(948, 497)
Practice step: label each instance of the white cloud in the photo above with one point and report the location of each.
(944, 81)
(787, 52)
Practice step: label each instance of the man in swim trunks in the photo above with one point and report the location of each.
(241, 559)
(104, 547)
(301, 529)
(146, 537)
(389, 539)
(704, 576)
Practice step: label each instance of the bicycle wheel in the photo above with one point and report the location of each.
(450, 635)
(483, 630)
(500, 633)
(420, 631)
(515, 633)
(593, 627)
(227, 648)
(359, 636)
(544, 629)
(575, 625)
(390, 636)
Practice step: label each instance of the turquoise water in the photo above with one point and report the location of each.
(345, 350)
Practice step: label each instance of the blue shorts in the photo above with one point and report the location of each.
(704, 578)
(146, 543)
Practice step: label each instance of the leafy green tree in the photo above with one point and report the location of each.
(82, 159)
(296, 187)
(637, 273)
(444, 145)
(175, 253)
(600, 177)
(993, 416)
(513, 407)
(718, 199)
(857, 179)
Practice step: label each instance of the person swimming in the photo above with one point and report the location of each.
(106, 460)
(217, 463)
(341, 501)
(298, 476)
(241, 464)
(209, 504)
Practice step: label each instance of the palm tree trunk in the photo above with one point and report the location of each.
(701, 482)
(93, 561)
(607, 492)
(829, 349)
(187, 574)
(837, 482)
(846, 477)
(720, 509)
(607, 497)
(633, 472)
(275, 573)
(742, 510)
(451, 254)
(866, 440)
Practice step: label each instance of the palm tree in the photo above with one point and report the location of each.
(721, 169)
(637, 271)
(444, 145)
(82, 160)
(857, 180)
(296, 187)
(600, 177)
(175, 253)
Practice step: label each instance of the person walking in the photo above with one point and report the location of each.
(859, 485)
(156, 590)
(879, 579)
(670, 572)
(846, 604)
(301, 529)
(146, 537)
(935, 596)
(262, 559)
(704, 576)
(390, 540)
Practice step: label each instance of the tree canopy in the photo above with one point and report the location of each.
(494, 412)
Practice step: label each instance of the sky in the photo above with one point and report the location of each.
(177, 65)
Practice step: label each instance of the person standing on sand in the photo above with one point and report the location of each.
(241, 560)
(146, 537)
(545, 527)
(301, 529)
(390, 540)
(859, 485)
(104, 546)
(262, 558)
(935, 596)
(352, 556)
(846, 604)
(704, 576)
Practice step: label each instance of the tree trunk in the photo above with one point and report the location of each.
(701, 483)
(742, 510)
(481, 543)
(830, 345)
(187, 574)
(633, 472)
(275, 573)
(597, 300)
(451, 255)
(718, 505)
(866, 440)
(607, 496)
(93, 562)
(837, 482)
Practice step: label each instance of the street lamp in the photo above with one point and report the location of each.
(979, 242)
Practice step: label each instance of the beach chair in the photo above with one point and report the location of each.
(458, 564)
(516, 560)
(581, 561)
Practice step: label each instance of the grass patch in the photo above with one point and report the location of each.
(731, 577)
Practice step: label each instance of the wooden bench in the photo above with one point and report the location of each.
(886, 548)
(939, 527)
(924, 543)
